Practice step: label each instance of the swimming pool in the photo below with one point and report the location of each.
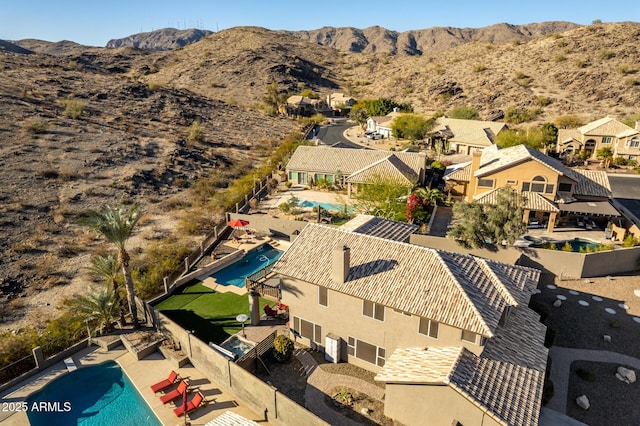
(576, 244)
(251, 263)
(91, 396)
(326, 206)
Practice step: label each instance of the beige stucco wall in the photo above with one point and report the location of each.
(525, 172)
(343, 317)
(438, 405)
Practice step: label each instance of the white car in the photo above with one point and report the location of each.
(374, 136)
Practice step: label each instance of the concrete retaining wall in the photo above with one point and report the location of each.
(560, 263)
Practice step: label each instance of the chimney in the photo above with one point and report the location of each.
(473, 181)
(340, 264)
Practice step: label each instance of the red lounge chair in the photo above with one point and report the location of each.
(190, 406)
(170, 396)
(162, 385)
(270, 311)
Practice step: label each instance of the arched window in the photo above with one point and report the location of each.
(635, 142)
(538, 184)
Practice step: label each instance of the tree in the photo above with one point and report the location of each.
(481, 225)
(116, 226)
(381, 106)
(465, 112)
(567, 122)
(384, 198)
(360, 116)
(272, 98)
(97, 307)
(549, 134)
(411, 126)
(606, 155)
(108, 268)
(533, 137)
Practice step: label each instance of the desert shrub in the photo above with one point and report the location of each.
(72, 108)
(632, 82)
(629, 241)
(288, 184)
(196, 132)
(465, 112)
(438, 166)
(48, 173)
(624, 69)
(71, 65)
(580, 63)
(620, 161)
(68, 174)
(605, 54)
(550, 337)
(567, 247)
(586, 375)
(543, 101)
(559, 58)
(282, 348)
(154, 85)
(35, 125)
(479, 67)
(514, 115)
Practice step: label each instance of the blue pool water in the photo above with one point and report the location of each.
(251, 263)
(576, 244)
(97, 395)
(326, 206)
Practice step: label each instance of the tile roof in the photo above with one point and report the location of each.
(606, 126)
(533, 200)
(462, 173)
(379, 227)
(569, 135)
(347, 161)
(497, 159)
(391, 168)
(414, 279)
(510, 393)
(469, 132)
(592, 182)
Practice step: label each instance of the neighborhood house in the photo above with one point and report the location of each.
(606, 132)
(452, 330)
(553, 192)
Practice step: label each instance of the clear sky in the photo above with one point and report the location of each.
(93, 22)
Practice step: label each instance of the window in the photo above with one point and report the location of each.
(429, 328)
(512, 182)
(485, 183)
(322, 296)
(307, 329)
(469, 336)
(366, 351)
(635, 142)
(538, 184)
(606, 139)
(549, 189)
(526, 186)
(564, 187)
(373, 310)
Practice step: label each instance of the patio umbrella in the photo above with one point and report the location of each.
(238, 223)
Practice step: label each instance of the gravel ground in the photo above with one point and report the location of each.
(612, 402)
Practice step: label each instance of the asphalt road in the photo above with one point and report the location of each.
(333, 133)
(626, 192)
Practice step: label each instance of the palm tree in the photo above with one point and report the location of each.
(116, 226)
(96, 307)
(108, 268)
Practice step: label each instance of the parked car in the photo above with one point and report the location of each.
(375, 136)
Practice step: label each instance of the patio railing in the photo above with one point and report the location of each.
(256, 282)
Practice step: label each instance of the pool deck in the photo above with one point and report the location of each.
(143, 374)
(275, 200)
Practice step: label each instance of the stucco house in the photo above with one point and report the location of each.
(466, 136)
(450, 335)
(383, 124)
(623, 140)
(340, 100)
(353, 167)
(552, 191)
(302, 105)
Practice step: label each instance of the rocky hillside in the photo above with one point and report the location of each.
(427, 41)
(164, 39)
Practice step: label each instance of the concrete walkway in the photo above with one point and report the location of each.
(320, 382)
(561, 359)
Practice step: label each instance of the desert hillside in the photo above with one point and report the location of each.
(130, 142)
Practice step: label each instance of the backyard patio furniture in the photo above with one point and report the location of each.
(270, 312)
(182, 387)
(163, 384)
(189, 406)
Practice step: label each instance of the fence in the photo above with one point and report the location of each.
(249, 361)
(278, 409)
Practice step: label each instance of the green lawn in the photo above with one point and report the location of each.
(210, 315)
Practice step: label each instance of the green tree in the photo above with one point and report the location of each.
(381, 106)
(116, 226)
(567, 122)
(532, 137)
(606, 155)
(465, 112)
(480, 225)
(360, 116)
(384, 198)
(549, 134)
(97, 307)
(411, 126)
(273, 99)
(108, 268)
